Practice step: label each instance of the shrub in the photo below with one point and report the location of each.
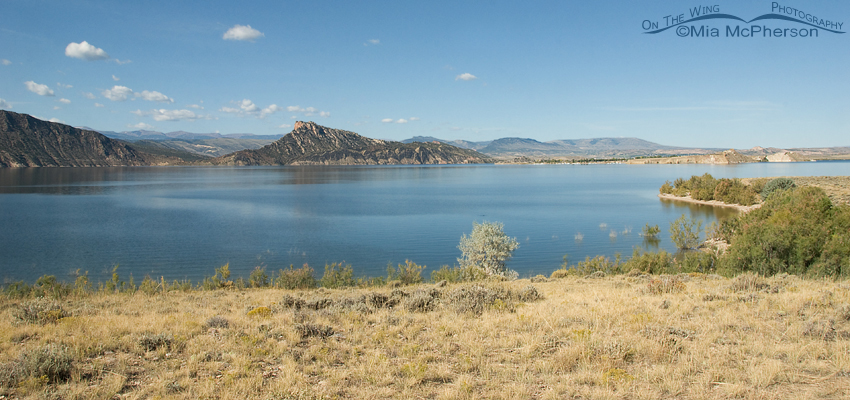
(40, 311)
(666, 188)
(337, 276)
(488, 247)
(408, 273)
(219, 280)
(777, 184)
(649, 262)
(260, 312)
(650, 231)
(732, 191)
(217, 322)
(149, 286)
(685, 232)
(702, 187)
(150, 341)
(789, 233)
(258, 278)
(51, 363)
(301, 278)
(696, 261)
(49, 286)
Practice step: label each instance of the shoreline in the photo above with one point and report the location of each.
(714, 203)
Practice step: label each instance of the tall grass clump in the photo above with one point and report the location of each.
(337, 275)
(49, 363)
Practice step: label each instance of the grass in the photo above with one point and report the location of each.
(622, 336)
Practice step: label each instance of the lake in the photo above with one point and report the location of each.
(183, 222)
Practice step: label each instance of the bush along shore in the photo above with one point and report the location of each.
(765, 316)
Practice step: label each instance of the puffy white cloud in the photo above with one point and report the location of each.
(247, 107)
(195, 106)
(119, 62)
(414, 118)
(39, 89)
(63, 86)
(466, 77)
(5, 62)
(171, 115)
(98, 105)
(115, 78)
(387, 120)
(117, 93)
(65, 101)
(401, 121)
(242, 32)
(85, 51)
(308, 112)
(270, 110)
(141, 125)
(154, 96)
(89, 95)
(57, 120)
(5, 104)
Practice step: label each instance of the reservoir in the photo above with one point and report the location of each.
(183, 222)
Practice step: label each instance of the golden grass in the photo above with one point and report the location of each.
(608, 338)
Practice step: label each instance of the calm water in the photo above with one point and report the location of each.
(183, 222)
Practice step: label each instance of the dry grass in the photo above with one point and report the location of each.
(836, 187)
(608, 338)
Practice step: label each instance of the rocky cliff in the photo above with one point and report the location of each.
(313, 144)
(30, 142)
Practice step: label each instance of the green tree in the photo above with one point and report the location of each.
(488, 247)
(685, 232)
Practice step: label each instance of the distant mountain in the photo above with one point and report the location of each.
(132, 136)
(507, 148)
(312, 144)
(26, 141)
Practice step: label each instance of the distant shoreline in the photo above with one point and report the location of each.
(714, 203)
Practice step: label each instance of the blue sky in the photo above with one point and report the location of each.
(474, 70)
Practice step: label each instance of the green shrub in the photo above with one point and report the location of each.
(733, 191)
(685, 232)
(666, 188)
(458, 274)
(337, 276)
(789, 233)
(650, 231)
(40, 311)
(776, 185)
(591, 265)
(757, 185)
(408, 273)
(702, 187)
(649, 262)
(218, 281)
(258, 278)
(149, 286)
(695, 261)
(301, 278)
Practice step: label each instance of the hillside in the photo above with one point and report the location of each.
(26, 141)
(312, 144)
(512, 147)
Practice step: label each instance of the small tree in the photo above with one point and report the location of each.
(685, 232)
(488, 248)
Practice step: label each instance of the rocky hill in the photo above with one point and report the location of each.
(312, 144)
(26, 141)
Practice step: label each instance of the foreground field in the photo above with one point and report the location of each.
(685, 336)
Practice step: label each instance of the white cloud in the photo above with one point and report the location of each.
(414, 118)
(39, 89)
(195, 106)
(5, 62)
(372, 42)
(308, 112)
(85, 51)
(57, 120)
(154, 96)
(89, 95)
(242, 32)
(171, 115)
(141, 125)
(63, 86)
(285, 126)
(65, 101)
(387, 120)
(57, 108)
(270, 110)
(117, 93)
(248, 106)
(115, 78)
(466, 77)
(119, 62)
(401, 121)
(98, 105)
(398, 121)
(5, 104)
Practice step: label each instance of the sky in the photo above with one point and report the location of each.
(472, 70)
